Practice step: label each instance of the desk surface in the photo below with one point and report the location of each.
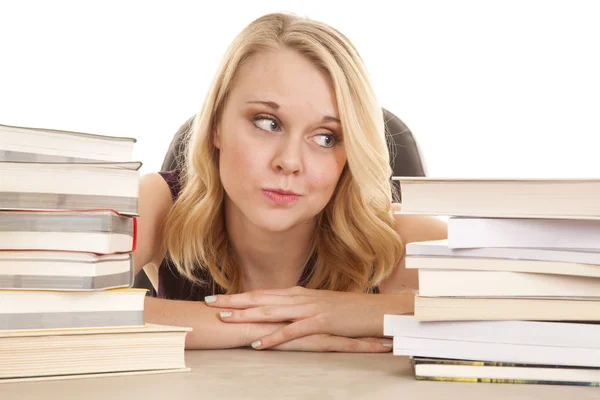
(251, 374)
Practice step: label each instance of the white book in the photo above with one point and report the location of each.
(63, 270)
(43, 310)
(25, 144)
(534, 333)
(553, 343)
(465, 283)
(498, 351)
(498, 264)
(95, 231)
(569, 198)
(559, 234)
(54, 186)
(440, 248)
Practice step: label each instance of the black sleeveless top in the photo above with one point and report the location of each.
(173, 285)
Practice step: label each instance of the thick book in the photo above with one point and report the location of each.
(97, 231)
(437, 369)
(55, 186)
(501, 198)
(440, 249)
(465, 283)
(60, 270)
(68, 354)
(480, 309)
(558, 234)
(24, 144)
(48, 309)
(531, 342)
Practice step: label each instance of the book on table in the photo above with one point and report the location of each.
(513, 294)
(68, 208)
(88, 353)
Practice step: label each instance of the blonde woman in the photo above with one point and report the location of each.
(279, 233)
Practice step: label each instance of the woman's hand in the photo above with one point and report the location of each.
(311, 312)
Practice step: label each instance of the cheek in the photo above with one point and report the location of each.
(240, 161)
(325, 178)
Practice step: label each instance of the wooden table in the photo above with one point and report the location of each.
(251, 374)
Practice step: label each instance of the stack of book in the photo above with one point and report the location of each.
(68, 208)
(513, 294)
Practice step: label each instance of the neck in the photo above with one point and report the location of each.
(267, 260)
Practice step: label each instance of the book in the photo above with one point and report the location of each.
(59, 270)
(507, 198)
(54, 186)
(94, 231)
(531, 342)
(559, 334)
(24, 144)
(557, 234)
(91, 352)
(440, 249)
(465, 283)
(45, 310)
(499, 264)
(497, 351)
(436, 369)
(532, 309)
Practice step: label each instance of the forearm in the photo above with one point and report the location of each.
(209, 332)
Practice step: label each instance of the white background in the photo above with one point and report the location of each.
(489, 88)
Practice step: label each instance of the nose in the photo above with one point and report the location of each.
(288, 155)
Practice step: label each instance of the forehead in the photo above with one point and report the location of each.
(287, 78)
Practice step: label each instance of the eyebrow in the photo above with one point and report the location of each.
(275, 106)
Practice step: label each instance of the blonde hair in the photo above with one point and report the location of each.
(355, 246)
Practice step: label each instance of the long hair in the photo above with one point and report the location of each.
(355, 246)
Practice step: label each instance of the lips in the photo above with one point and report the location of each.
(281, 197)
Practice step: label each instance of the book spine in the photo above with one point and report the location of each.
(509, 381)
(135, 234)
(471, 363)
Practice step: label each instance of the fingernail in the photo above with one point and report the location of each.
(387, 344)
(225, 314)
(256, 344)
(210, 299)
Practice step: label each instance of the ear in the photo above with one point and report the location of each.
(217, 139)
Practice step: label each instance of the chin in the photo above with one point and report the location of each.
(278, 220)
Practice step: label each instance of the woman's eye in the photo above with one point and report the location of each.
(267, 124)
(326, 140)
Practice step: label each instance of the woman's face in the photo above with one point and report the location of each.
(280, 141)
